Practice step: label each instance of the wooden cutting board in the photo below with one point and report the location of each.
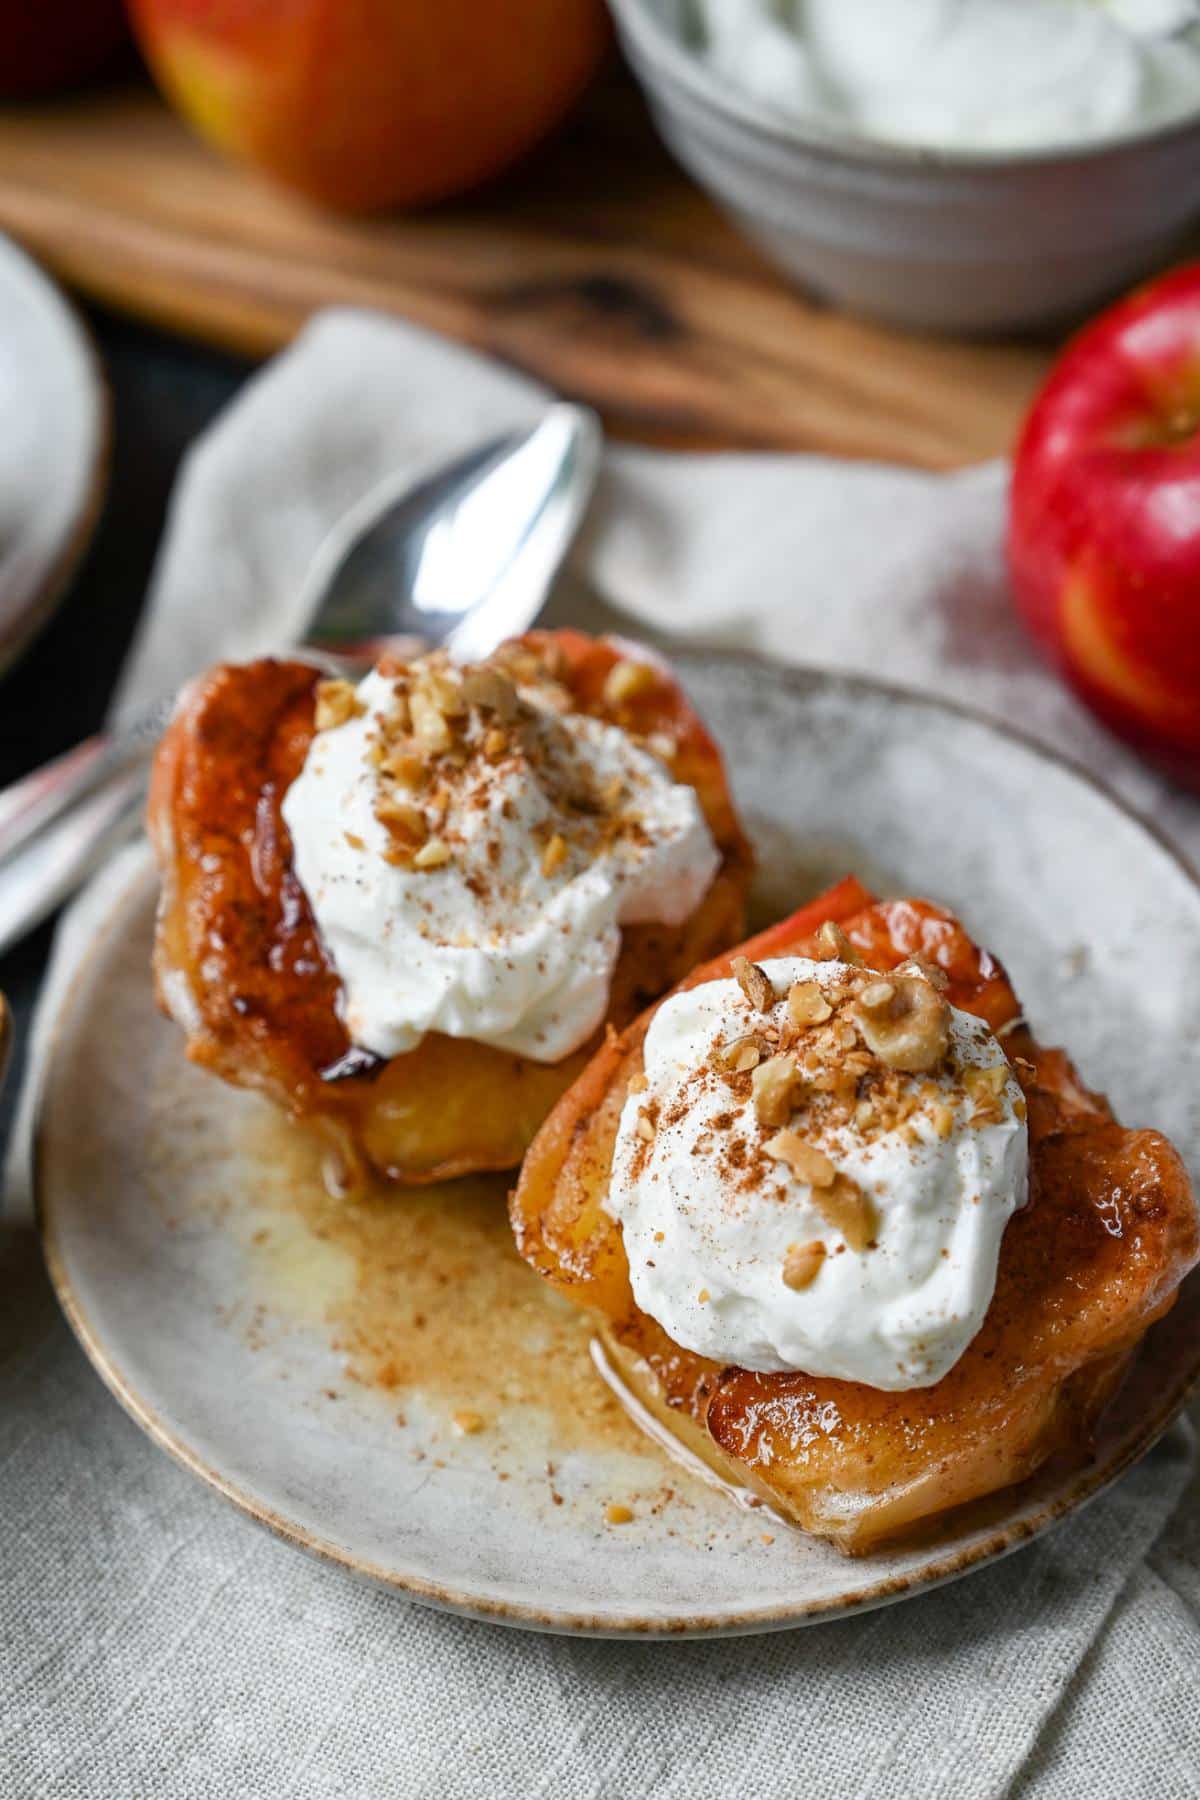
(599, 267)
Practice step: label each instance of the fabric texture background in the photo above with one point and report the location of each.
(154, 1643)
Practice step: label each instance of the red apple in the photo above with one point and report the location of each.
(55, 43)
(362, 104)
(1104, 530)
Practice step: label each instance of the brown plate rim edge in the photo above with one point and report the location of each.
(1093, 1477)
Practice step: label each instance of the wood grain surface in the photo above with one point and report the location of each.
(598, 267)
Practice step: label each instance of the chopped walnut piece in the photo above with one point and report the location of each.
(495, 744)
(490, 688)
(433, 854)
(807, 1005)
(840, 1201)
(405, 768)
(942, 1117)
(930, 971)
(626, 680)
(804, 1160)
(910, 1029)
(441, 688)
(845, 1208)
(877, 994)
(1024, 1068)
(773, 1087)
(430, 725)
(834, 946)
(399, 713)
(467, 1423)
(742, 1054)
(802, 1264)
(644, 1128)
(555, 854)
(754, 983)
(985, 1090)
(336, 703)
(403, 819)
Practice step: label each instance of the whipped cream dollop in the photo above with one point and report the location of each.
(791, 1200)
(471, 846)
(962, 74)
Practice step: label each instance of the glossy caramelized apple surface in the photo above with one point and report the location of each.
(1092, 1259)
(240, 964)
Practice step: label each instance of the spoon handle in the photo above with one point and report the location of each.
(48, 867)
(29, 806)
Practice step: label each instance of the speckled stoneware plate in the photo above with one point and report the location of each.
(53, 450)
(388, 1386)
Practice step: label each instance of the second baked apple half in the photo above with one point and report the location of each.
(409, 911)
(849, 1233)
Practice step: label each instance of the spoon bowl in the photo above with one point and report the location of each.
(465, 557)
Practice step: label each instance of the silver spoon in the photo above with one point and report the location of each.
(466, 558)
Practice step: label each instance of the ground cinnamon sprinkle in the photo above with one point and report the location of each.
(822, 1057)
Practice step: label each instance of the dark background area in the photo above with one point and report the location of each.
(163, 393)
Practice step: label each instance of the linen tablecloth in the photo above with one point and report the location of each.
(154, 1643)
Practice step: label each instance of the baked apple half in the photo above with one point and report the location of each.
(849, 1233)
(410, 911)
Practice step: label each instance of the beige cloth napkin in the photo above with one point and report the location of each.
(153, 1643)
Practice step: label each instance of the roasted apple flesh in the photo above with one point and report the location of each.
(240, 965)
(1093, 1258)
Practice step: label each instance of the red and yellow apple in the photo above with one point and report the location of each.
(1104, 531)
(365, 104)
(55, 43)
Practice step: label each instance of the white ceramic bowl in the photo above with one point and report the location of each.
(975, 242)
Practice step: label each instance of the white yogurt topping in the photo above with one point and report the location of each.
(501, 942)
(708, 1228)
(969, 74)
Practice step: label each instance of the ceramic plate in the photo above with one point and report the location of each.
(53, 450)
(388, 1386)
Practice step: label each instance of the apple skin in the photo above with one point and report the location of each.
(1104, 523)
(56, 43)
(367, 104)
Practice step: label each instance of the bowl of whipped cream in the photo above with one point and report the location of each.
(952, 165)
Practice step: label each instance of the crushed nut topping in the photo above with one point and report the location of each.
(627, 680)
(336, 703)
(985, 1089)
(754, 983)
(834, 946)
(772, 1087)
(802, 1264)
(846, 1208)
(467, 1423)
(432, 855)
(807, 1005)
(805, 1161)
(905, 1022)
(742, 1054)
(555, 854)
(403, 819)
(929, 971)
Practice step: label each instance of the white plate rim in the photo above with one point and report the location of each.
(1088, 1482)
(35, 601)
